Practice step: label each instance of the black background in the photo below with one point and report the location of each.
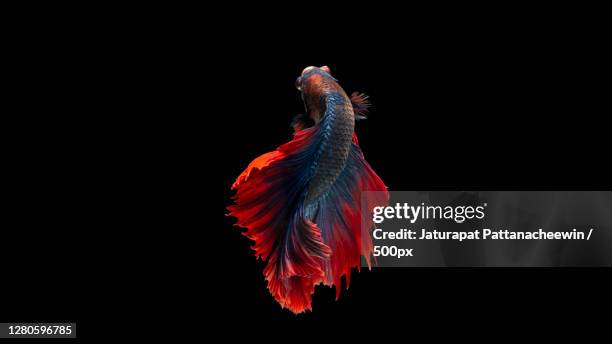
(117, 129)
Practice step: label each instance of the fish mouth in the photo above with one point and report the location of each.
(308, 69)
(322, 68)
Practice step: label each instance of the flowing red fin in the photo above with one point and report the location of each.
(292, 277)
(305, 245)
(339, 216)
(268, 203)
(256, 165)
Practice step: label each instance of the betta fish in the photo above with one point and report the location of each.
(301, 204)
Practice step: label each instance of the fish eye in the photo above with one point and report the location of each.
(298, 83)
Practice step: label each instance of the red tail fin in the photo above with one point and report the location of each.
(339, 216)
(268, 203)
(304, 245)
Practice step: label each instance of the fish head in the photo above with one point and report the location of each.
(312, 72)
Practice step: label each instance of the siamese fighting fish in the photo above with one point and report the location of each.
(301, 204)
